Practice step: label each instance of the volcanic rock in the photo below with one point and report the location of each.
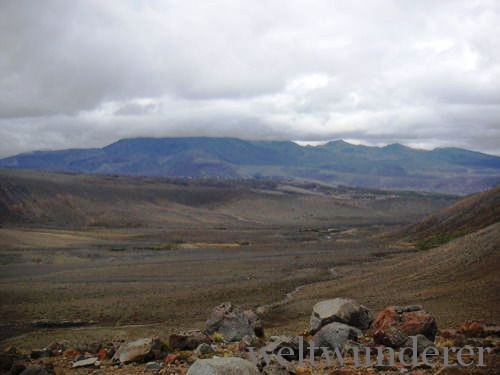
(394, 324)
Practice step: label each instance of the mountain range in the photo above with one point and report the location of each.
(448, 170)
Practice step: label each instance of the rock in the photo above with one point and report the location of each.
(40, 353)
(103, 354)
(452, 370)
(17, 368)
(394, 324)
(422, 343)
(278, 342)
(71, 353)
(335, 335)
(6, 362)
(249, 341)
(477, 328)
(140, 350)
(187, 341)
(153, 366)
(171, 358)
(85, 362)
(340, 310)
(275, 368)
(203, 349)
(34, 370)
(223, 366)
(233, 323)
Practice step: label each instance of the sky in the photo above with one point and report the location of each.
(87, 73)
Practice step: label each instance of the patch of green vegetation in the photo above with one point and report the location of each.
(435, 241)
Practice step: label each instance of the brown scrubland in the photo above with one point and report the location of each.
(119, 258)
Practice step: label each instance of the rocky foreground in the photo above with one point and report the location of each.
(234, 342)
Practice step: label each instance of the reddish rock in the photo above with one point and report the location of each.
(171, 358)
(103, 354)
(473, 328)
(71, 353)
(394, 324)
(450, 337)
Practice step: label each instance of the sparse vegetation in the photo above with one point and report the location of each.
(435, 241)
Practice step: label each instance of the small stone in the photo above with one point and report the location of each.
(223, 366)
(275, 368)
(249, 341)
(187, 341)
(203, 349)
(103, 354)
(276, 343)
(40, 353)
(34, 370)
(139, 350)
(85, 362)
(71, 353)
(171, 358)
(153, 366)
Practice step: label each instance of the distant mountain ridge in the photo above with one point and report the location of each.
(395, 166)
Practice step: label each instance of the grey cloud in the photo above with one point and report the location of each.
(85, 73)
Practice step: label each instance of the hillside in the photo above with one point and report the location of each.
(81, 201)
(395, 166)
(465, 216)
(457, 281)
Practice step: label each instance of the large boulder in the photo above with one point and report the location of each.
(233, 323)
(394, 324)
(142, 350)
(188, 340)
(342, 310)
(335, 335)
(223, 366)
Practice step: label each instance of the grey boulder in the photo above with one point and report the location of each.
(335, 335)
(233, 323)
(342, 310)
(223, 366)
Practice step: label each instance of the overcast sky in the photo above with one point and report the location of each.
(87, 73)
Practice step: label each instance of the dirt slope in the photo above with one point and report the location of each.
(465, 216)
(456, 281)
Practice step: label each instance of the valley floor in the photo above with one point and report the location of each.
(136, 283)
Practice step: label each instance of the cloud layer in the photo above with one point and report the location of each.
(86, 73)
